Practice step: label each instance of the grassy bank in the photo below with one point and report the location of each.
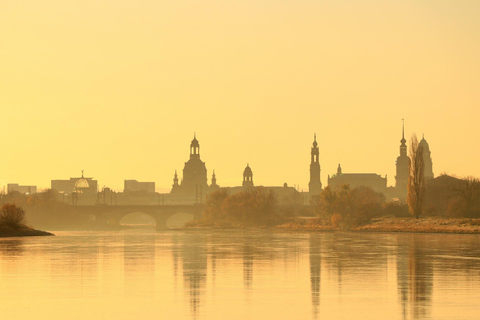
(383, 224)
(23, 231)
(392, 224)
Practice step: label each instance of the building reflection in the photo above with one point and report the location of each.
(414, 277)
(315, 272)
(194, 261)
(248, 256)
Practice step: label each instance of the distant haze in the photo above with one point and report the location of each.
(118, 88)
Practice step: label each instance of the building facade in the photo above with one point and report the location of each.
(136, 186)
(372, 180)
(15, 187)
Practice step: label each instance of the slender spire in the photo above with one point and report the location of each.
(82, 173)
(403, 133)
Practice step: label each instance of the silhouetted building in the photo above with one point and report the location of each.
(285, 195)
(76, 191)
(403, 164)
(315, 185)
(193, 187)
(85, 185)
(427, 159)
(354, 180)
(11, 187)
(136, 186)
(214, 186)
(247, 177)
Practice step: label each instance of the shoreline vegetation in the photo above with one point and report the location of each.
(13, 223)
(382, 224)
(449, 205)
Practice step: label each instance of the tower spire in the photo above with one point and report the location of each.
(403, 133)
(403, 129)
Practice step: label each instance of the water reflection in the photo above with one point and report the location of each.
(415, 277)
(315, 272)
(246, 275)
(10, 248)
(194, 262)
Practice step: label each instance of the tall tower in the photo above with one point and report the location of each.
(403, 164)
(247, 177)
(315, 185)
(427, 158)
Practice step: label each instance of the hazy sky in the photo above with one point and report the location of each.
(117, 87)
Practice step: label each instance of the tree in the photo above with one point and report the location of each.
(468, 190)
(213, 205)
(416, 179)
(350, 207)
(12, 216)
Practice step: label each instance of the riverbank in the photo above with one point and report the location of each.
(22, 232)
(382, 224)
(393, 224)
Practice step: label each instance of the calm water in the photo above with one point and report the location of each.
(148, 274)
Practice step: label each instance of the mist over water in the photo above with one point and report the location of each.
(149, 274)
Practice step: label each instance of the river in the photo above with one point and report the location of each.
(149, 274)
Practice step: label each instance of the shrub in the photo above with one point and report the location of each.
(336, 219)
(12, 216)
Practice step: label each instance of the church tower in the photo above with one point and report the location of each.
(214, 186)
(247, 177)
(194, 183)
(427, 158)
(315, 185)
(403, 164)
(175, 185)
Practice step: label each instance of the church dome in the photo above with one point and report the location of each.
(247, 171)
(82, 183)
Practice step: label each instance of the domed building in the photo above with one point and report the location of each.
(194, 186)
(81, 184)
(247, 177)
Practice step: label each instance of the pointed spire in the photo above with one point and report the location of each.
(403, 133)
(82, 173)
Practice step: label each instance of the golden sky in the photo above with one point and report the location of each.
(117, 87)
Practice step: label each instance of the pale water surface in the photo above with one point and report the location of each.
(148, 274)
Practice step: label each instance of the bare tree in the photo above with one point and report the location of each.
(468, 190)
(416, 179)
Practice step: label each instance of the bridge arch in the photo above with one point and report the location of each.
(138, 219)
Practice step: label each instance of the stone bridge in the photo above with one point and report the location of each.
(111, 215)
